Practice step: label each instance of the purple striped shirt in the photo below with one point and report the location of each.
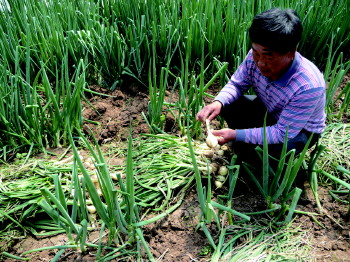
(296, 100)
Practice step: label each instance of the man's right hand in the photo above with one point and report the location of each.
(209, 111)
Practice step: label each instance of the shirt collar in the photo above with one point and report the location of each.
(283, 81)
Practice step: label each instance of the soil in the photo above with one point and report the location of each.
(174, 238)
(115, 112)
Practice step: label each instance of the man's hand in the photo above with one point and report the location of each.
(210, 111)
(224, 135)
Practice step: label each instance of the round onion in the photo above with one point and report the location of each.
(223, 171)
(220, 178)
(218, 184)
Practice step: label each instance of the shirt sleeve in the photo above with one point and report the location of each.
(239, 83)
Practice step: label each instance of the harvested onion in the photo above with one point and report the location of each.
(224, 148)
(206, 169)
(211, 140)
(218, 184)
(221, 152)
(208, 153)
(214, 166)
(223, 171)
(220, 178)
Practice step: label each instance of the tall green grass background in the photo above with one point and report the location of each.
(51, 51)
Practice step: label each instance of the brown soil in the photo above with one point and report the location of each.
(174, 238)
(115, 114)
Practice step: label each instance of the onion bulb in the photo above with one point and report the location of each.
(220, 178)
(206, 169)
(208, 153)
(214, 166)
(114, 176)
(203, 146)
(224, 148)
(221, 152)
(211, 140)
(223, 171)
(91, 209)
(218, 184)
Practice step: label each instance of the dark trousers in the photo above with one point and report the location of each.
(249, 112)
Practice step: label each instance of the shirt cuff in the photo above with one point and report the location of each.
(240, 135)
(220, 99)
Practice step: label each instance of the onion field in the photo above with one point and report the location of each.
(101, 155)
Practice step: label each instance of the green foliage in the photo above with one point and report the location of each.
(39, 114)
(117, 211)
(118, 38)
(50, 48)
(265, 242)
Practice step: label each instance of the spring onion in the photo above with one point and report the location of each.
(211, 140)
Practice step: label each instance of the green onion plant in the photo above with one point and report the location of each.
(38, 114)
(334, 73)
(114, 43)
(278, 185)
(344, 184)
(117, 210)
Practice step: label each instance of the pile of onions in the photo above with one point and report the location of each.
(221, 176)
(213, 151)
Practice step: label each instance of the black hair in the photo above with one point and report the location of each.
(280, 30)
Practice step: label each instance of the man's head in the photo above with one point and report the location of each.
(279, 30)
(275, 35)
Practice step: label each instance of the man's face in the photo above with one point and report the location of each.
(270, 63)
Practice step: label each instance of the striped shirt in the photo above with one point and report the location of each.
(297, 99)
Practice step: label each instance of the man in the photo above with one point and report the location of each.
(287, 85)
